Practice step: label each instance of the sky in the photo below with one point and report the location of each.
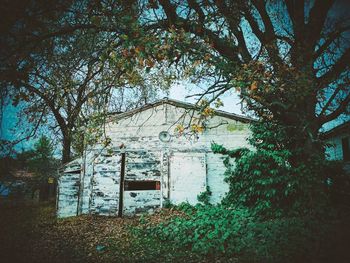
(9, 131)
(177, 91)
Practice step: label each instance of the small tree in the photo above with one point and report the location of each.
(43, 163)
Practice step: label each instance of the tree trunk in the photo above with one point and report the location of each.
(66, 152)
(305, 142)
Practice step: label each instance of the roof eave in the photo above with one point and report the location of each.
(181, 104)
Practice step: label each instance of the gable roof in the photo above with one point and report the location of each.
(180, 104)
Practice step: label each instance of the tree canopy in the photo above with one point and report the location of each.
(287, 59)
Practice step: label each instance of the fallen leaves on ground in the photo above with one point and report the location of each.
(30, 232)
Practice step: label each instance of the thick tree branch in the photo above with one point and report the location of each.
(236, 29)
(225, 48)
(341, 65)
(267, 38)
(296, 14)
(332, 36)
(341, 108)
(50, 103)
(196, 7)
(317, 18)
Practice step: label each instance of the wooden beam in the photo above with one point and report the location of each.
(121, 186)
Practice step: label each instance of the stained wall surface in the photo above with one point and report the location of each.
(183, 165)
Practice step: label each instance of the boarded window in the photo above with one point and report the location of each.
(141, 185)
(346, 150)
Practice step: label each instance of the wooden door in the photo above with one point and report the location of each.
(187, 177)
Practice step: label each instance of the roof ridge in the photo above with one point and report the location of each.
(179, 103)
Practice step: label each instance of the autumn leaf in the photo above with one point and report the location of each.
(197, 128)
(218, 103)
(207, 112)
(254, 86)
(207, 57)
(150, 63)
(180, 128)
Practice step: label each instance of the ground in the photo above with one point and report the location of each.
(30, 232)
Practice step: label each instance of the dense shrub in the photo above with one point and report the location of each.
(270, 181)
(216, 232)
(277, 209)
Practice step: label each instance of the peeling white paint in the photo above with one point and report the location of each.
(184, 167)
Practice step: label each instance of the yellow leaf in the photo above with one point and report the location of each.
(254, 86)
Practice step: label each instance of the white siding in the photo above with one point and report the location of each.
(105, 185)
(136, 202)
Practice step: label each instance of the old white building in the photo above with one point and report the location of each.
(149, 163)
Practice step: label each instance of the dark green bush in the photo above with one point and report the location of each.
(273, 181)
(216, 232)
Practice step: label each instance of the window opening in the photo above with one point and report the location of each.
(141, 185)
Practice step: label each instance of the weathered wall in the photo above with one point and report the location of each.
(142, 166)
(184, 166)
(105, 184)
(136, 202)
(86, 185)
(216, 174)
(141, 131)
(101, 179)
(188, 177)
(68, 190)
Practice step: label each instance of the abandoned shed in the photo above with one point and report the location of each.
(149, 163)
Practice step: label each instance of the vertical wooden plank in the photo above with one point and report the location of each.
(121, 186)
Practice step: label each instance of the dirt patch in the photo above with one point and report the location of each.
(30, 232)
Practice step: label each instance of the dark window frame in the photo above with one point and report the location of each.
(146, 185)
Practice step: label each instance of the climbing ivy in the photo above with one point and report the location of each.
(204, 197)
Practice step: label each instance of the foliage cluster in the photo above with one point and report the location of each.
(220, 234)
(275, 210)
(268, 179)
(40, 161)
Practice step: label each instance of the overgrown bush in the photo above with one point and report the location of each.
(268, 179)
(219, 233)
(276, 210)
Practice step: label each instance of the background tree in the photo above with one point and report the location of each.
(83, 74)
(286, 58)
(42, 161)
